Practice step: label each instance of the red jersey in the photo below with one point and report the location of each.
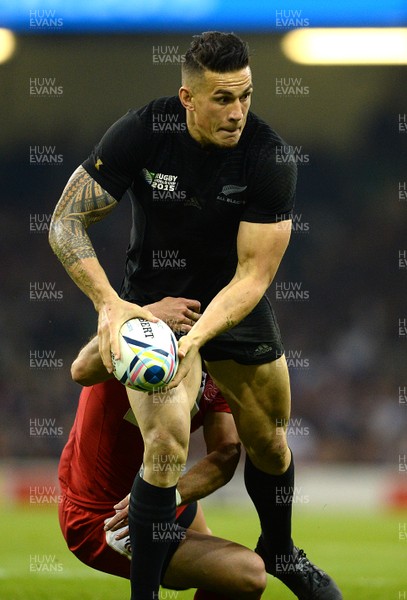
(105, 448)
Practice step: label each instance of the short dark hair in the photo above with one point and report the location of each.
(215, 51)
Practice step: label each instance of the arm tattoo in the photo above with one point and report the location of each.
(82, 203)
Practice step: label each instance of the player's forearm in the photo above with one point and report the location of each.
(232, 304)
(261, 248)
(209, 474)
(82, 203)
(90, 277)
(88, 368)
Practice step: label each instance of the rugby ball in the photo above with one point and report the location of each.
(148, 355)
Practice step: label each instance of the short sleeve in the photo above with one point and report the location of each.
(273, 184)
(118, 157)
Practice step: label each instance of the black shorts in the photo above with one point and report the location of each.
(255, 340)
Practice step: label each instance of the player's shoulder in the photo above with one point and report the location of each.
(143, 122)
(104, 390)
(260, 134)
(160, 116)
(266, 150)
(165, 105)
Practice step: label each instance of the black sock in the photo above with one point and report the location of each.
(272, 496)
(151, 522)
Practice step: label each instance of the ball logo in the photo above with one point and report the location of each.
(148, 355)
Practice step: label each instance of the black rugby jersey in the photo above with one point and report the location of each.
(188, 200)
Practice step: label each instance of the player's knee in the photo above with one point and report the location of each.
(165, 453)
(270, 454)
(279, 454)
(255, 577)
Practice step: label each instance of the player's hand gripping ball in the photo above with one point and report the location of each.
(148, 355)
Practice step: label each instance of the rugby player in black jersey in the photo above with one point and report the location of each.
(211, 221)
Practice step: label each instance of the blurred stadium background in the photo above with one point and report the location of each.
(67, 72)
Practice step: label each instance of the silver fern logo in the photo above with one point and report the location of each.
(229, 190)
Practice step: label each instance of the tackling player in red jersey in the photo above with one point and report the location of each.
(98, 465)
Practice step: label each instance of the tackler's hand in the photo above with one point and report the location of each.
(180, 314)
(120, 519)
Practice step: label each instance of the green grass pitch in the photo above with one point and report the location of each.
(365, 552)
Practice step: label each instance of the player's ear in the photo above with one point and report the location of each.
(186, 97)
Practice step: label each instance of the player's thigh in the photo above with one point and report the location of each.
(217, 565)
(258, 395)
(199, 522)
(167, 410)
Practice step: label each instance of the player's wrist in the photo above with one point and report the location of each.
(105, 300)
(197, 336)
(197, 339)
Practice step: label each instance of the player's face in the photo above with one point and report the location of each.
(219, 106)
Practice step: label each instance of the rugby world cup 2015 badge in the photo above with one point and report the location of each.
(164, 186)
(161, 181)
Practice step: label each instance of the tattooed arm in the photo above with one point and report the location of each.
(82, 203)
